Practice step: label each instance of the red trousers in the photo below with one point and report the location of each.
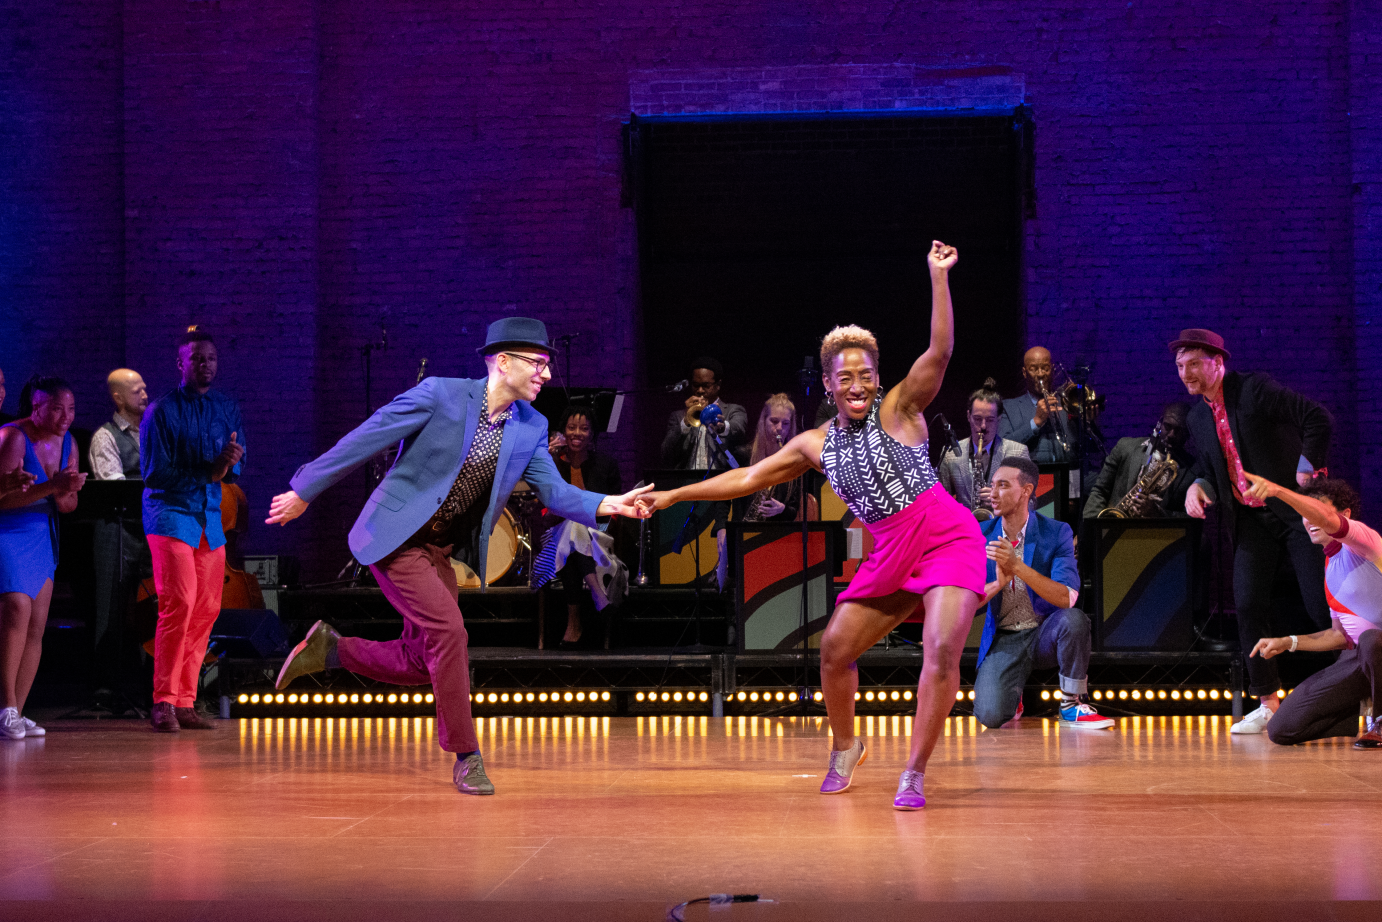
(420, 583)
(189, 582)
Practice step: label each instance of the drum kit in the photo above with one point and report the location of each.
(513, 545)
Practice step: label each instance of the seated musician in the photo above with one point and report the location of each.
(1125, 464)
(1032, 621)
(966, 475)
(777, 425)
(1353, 587)
(687, 445)
(1036, 421)
(580, 555)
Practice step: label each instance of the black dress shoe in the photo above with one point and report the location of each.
(568, 645)
(164, 718)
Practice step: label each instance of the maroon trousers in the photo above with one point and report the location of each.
(421, 584)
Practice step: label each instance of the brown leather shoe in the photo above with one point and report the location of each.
(189, 719)
(162, 717)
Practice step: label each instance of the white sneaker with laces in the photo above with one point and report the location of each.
(11, 724)
(32, 729)
(1256, 722)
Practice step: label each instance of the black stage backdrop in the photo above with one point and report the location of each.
(757, 235)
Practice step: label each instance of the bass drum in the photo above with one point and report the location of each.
(504, 545)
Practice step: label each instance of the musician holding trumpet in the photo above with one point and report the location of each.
(966, 474)
(1036, 419)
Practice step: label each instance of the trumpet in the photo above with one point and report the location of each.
(1057, 426)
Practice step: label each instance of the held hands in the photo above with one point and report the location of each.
(629, 504)
(1196, 501)
(1268, 647)
(1261, 488)
(651, 502)
(941, 259)
(285, 507)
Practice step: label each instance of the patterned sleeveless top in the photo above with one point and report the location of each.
(875, 474)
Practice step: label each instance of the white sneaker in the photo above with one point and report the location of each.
(32, 729)
(11, 724)
(1256, 722)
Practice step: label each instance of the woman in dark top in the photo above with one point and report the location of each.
(582, 467)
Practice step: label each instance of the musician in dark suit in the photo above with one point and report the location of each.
(1246, 422)
(1037, 422)
(1124, 465)
(687, 444)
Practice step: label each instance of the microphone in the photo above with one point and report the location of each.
(949, 434)
(676, 388)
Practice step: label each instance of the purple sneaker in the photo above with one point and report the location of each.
(909, 796)
(842, 763)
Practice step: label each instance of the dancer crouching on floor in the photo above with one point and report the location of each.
(466, 442)
(927, 547)
(1353, 588)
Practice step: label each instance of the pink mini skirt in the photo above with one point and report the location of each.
(933, 542)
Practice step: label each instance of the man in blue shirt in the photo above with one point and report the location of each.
(191, 439)
(1033, 585)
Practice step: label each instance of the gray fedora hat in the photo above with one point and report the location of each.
(515, 331)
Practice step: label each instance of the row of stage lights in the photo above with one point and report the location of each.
(875, 696)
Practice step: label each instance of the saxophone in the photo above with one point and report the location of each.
(976, 473)
(760, 499)
(1154, 480)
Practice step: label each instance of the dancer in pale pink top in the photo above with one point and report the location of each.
(928, 554)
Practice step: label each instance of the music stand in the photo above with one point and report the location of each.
(120, 501)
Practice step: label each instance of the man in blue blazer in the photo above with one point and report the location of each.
(1034, 421)
(465, 443)
(1032, 621)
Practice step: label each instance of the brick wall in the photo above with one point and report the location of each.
(297, 174)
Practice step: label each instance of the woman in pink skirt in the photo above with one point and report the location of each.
(928, 554)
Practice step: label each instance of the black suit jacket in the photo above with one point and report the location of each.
(678, 447)
(1272, 427)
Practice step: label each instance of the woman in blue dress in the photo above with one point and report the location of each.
(39, 443)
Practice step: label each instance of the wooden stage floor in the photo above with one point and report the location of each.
(619, 818)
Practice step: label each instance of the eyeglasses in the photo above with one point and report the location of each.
(540, 365)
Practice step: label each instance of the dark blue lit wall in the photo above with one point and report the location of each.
(292, 174)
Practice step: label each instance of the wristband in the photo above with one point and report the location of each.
(1294, 642)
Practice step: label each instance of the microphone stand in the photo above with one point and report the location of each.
(374, 471)
(804, 705)
(697, 646)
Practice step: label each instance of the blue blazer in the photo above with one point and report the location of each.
(1015, 422)
(1049, 550)
(436, 423)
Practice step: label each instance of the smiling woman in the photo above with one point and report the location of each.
(928, 553)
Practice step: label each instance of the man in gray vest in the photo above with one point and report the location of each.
(115, 456)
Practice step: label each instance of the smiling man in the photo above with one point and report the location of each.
(1244, 422)
(466, 443)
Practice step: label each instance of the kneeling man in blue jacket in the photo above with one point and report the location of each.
(1032, 621)
(465, 444)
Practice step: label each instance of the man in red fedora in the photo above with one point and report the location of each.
(1246, 423)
